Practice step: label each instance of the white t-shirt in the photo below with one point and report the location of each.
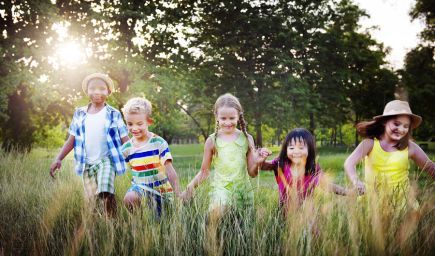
(95, 136)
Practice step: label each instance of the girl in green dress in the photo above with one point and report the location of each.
(235, 159)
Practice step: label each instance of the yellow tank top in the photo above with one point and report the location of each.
(387, 168)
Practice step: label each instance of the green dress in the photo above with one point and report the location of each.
(231, 185)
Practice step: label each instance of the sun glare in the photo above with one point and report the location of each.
(70, 54)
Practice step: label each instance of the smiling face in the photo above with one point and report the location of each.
(137, 124)
(97, 91)
(397, 127)
(227, 118)
(297, 151)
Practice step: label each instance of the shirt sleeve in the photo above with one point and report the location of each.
(73, 125)
(121, 127)
(164, 152)
(275, 162)
(126, 152)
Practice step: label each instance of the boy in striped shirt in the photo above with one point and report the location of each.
(153, 176)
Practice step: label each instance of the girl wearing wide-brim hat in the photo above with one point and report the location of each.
(387, 148)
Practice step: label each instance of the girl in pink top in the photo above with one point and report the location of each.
(296, 171)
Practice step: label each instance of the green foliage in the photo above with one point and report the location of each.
(418, 78)
(50, 137)
(297, 63)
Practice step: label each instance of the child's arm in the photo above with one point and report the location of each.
(326, 184)
(421, 159)
(172, 176)
(255, 157)
(67, 147)
(203, 174)
(267, 166)
(357, 155)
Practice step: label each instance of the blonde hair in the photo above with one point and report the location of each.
(137, 105)
(231, 101)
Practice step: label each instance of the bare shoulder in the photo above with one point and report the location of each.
(413, 147)
(368, 142)
(209, 143)
(251, 139)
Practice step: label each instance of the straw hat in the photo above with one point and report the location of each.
(101, 76)
(398, 107)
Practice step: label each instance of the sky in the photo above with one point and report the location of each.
(395, 27)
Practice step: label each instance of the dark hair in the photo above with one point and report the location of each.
(308, 138)
(376, 127)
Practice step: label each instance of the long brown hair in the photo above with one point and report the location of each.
(376, 127)
(231, 101)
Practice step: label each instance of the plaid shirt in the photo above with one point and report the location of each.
(115, 130)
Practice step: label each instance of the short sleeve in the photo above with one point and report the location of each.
(123, 132)
(73, 127)
(126, 152)
(275, 162)
(164, 152)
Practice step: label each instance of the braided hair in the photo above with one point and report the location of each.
(229, 100)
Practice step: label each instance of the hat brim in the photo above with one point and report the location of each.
(104, 77)
(415, 119)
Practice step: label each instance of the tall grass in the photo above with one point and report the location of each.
(39, 216)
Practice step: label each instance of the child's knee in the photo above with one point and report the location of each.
(131, 199)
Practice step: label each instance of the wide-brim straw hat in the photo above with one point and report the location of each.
(101, 76)
(399, 107)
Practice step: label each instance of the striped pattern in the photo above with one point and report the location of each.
(147, 163)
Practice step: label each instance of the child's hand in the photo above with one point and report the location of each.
(55, 166)
(361, 188)
(262, 154)
(186, 194)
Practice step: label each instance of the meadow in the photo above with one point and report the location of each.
(41, 216)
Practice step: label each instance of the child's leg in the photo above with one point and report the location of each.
(214, 219)
(109, 203)
(155, 202)
(106, 185)
(132, 199)
(90, 187)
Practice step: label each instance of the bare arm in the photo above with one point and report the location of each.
(255, 157)
(267, 166)
(357, 155)
(327, 185)
(172, 176)
(57, 163)
(421, 159)
(203, 174)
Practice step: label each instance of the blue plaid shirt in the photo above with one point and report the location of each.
(115, 130)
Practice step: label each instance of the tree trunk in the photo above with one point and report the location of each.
(341, 135)
(259, 135)
(312, 124)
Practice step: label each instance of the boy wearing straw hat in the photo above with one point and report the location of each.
(96, 133)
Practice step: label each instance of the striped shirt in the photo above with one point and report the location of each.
(147, 163)
(114, 129)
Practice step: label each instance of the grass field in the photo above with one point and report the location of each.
(41, 216)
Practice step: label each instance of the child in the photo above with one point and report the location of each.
(96, 133)
(234, 158)
(150, 160)
(296, 170)
(386, 149)
(232, 151)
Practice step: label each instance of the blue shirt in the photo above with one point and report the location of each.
(114, 128)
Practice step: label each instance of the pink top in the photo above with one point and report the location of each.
(304, 187)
